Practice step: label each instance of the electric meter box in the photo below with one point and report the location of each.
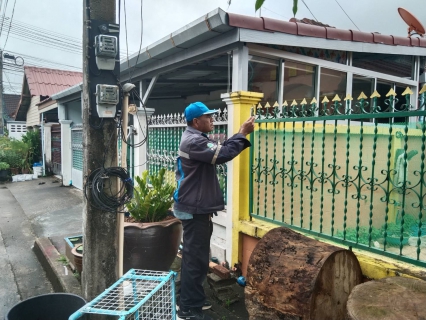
(106, 50)
(106, 100)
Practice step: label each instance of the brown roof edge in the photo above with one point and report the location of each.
(45, 103)
(311, 30)
(280, 26)
(246, 22)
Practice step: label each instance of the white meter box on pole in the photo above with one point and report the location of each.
(105, 51)
(106, 100)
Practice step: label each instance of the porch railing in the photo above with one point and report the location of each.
(164, 134)
(353, 172)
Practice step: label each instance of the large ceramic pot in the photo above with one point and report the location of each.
(151, 246)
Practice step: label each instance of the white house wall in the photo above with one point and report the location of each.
(33, 118)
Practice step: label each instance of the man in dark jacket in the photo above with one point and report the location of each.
(198, 197)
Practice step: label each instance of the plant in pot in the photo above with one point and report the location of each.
(4, 171)
(151, 235)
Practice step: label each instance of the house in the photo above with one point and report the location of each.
(38, 110)
(325, 93)
(15, 128)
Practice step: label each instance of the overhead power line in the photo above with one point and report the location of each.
(10, 24)
(347, 15)
(309, 10)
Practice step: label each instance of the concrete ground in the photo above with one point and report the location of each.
(41, 213)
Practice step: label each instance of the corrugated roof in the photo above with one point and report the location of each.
(11, 103)
(45, 82)
(310, 30)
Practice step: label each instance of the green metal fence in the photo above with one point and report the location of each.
(164, 134)
(350, 171)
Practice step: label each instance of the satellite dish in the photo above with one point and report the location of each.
(414, 25)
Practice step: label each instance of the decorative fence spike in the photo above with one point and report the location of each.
(325, 100)
(407, 91)
(294, 103)
(336, 98)
(304, 101)
(285, 104)
(348, 97)
(391, 93)
(314, 100)
(423, 89)
(362, 96)
(375, 94)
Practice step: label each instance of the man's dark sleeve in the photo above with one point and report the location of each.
(204, 150)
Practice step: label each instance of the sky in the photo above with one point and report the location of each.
(48, 33)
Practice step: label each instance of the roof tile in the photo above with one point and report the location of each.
(401, 41)
(309, 30)
(280, 26)
(339, 34)
(360, 36)
(382, 38)
(45, 82)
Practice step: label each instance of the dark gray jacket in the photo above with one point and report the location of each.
(198, 189)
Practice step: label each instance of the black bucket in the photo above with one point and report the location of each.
(54, 306)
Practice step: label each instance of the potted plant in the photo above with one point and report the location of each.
(4, 171)
(151, 235)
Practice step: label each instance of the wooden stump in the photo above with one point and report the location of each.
(394, 298)
(291, 276)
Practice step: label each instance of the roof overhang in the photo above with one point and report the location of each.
(68, 93)
(219, 30)
(278, 38)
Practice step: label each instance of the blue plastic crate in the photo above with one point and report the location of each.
(139, 294)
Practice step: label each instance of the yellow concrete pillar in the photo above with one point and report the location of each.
(239, 105)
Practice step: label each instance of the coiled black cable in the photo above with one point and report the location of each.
(99, 184)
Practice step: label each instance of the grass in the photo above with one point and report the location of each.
(62, 259)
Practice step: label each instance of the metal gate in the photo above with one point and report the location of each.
(56, 148)
(77, 156)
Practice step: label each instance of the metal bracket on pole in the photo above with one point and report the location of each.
(149, 90)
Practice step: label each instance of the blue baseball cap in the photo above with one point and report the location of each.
(197, 109)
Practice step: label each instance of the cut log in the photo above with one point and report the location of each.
(392, 298)
(291, 276)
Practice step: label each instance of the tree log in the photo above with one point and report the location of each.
(395, 298)
(291, 276)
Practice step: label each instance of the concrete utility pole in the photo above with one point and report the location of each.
(100, 149)
(1, 95)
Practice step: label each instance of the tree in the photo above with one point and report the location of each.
(259, 4)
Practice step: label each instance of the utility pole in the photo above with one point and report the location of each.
(100, 228)
(1, 96)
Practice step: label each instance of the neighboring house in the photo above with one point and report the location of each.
(16, 129)
(70, 117)
(288, 62)
(40, 111)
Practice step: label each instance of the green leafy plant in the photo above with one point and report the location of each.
(62, 259)
(33, 141)
(363, 234)
(152, 198)
(4, 166)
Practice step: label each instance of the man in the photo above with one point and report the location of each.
(198, 197)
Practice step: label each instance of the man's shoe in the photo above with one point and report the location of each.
(206, 306)
(192, 314)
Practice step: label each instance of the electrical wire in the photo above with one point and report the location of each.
(4, 15)
(140, 44)
(100, 183)
(125, 30)
(347, 15)
(10, 24)
(145, 134)
(309, 10)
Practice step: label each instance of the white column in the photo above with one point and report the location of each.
(141, 153)
(47, 131)
(66, 152)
